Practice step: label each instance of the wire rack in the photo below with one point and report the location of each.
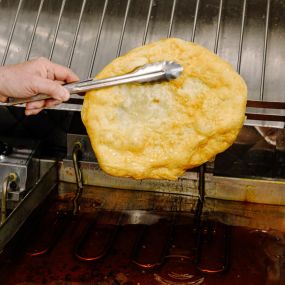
(87, 35)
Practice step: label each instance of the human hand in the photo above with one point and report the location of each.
(33, 77)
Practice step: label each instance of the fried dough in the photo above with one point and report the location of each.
(158, 130)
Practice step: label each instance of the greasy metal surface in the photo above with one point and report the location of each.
(31, 201)
(21, 161)
(139, 205)
(12, 178)
(87, 153)
(88, 34)
(268, 191)
(141, 202)
(93, 175)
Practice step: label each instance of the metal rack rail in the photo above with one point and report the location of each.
(87, 36)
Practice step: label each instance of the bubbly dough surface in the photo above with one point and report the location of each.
(158, 130)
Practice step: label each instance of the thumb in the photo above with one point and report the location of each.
(52, 88)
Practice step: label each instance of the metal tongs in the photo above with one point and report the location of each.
(164, 70)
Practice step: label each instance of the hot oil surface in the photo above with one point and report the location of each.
(112, 248)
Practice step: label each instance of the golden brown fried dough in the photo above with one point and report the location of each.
(158, 130)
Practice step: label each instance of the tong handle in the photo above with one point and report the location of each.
(39, 97)
(164, 70)
(16, 101)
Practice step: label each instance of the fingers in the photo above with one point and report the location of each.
(51, 102)
(32, 112)
(33, 108)
(39, 76)
(56, 71)
(42, 104)
(49, 87)
(63, 73)
(3, 99)
(35, 105)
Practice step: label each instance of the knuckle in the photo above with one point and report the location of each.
(54, 90)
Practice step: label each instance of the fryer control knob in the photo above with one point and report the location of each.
(5, 149)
